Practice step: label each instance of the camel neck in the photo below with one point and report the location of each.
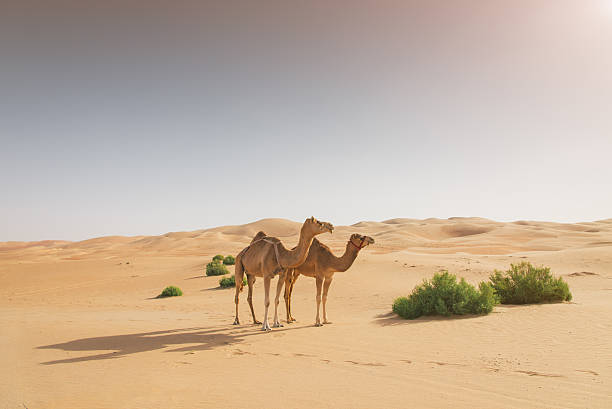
(345, 261)
(297, 256)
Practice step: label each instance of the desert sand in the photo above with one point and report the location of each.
(80, 327)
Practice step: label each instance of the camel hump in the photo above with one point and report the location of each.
(260, 235)
(316, 243)
(318, 246)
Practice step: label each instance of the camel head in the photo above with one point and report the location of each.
(360, 241)
(316, 227)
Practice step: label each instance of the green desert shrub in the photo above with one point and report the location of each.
(226, 282)
(527, 284)
(218, 258)
(229, 260)
(170, 291)
(443, 295)
(214, 268)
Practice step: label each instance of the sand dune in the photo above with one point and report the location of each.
(84, 330)
(395, 234)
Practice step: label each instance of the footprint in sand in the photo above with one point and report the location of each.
(241, 352)
(582, 274)
(534, 373)
(444, 363)
(587, 371)
(365, 363)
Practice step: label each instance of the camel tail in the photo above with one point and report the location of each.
(239, 271)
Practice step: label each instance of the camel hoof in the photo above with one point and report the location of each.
(236, 322)
(256, 322)
(277, 325)
(266, 327)
(318, 324)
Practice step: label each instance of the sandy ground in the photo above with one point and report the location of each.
(80, 327)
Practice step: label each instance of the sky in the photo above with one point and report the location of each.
(143, 117)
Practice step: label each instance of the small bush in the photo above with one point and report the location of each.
(218, 258)
(170, 291)
(527, 284)
(226, 282)
(229, 260)
(214, 268)
(443, 295)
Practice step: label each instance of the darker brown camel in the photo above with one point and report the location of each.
(322, 264)
(266, 257)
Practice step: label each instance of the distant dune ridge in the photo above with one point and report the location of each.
(472, 235)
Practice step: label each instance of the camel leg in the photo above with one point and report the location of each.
(293, 280)
(236, 300)
(319, 285)
(326, 285)
(238, 273)
(251, 283)
(266, 325)
(289, 281)
(279, 287)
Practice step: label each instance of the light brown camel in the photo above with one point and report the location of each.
(322, 264)
(266, 257)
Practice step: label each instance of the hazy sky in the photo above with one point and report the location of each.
(143, 117)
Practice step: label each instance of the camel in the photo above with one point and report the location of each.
(322, 264)
(266, 257)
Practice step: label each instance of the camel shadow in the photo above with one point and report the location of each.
(197, 339)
